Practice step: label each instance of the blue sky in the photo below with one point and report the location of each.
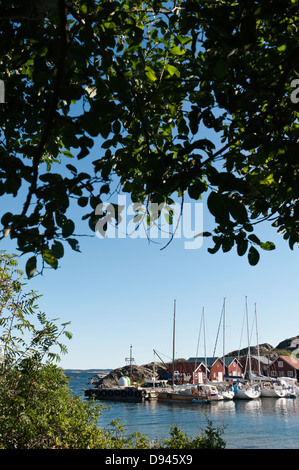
(120, 292)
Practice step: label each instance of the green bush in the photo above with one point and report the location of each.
(38, 411)
(209, 438)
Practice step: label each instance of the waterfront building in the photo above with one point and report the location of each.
(284, 366)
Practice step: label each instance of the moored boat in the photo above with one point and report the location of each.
(225, 390)
(211, 391)
(245, 391)
(290, 385)
(227, 394)
(183, 395)
(273, 390)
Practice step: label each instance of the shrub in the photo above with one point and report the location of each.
(38, 411)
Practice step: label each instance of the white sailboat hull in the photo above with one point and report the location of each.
(273, 393)
(227, 395)
(247, 394)
(211, 391)
(216, 397)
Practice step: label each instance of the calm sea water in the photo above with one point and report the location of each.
(267, 423)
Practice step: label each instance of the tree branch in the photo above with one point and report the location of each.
(38, 152)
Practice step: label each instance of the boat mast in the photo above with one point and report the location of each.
(198, 340)
(204, 335)
(257, 339)
(223, 372)
(173, 345)
(204, 340)
(248, 340)
(222, 319)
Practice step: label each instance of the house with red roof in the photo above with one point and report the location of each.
(234, 367)
(284, 366)
(188, 372)
(215, 369)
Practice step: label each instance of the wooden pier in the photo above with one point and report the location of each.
(132, 394)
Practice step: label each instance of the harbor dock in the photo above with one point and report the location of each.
(133, 394)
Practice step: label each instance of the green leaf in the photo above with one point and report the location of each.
(68, 228)
(83, 201)
(84, 8)
(57, 249)
(177, 50)
(253, 256)
(220, 70)
(105, 189)
(172, 70)
(168, 218)
(150, 73)
(72, 168)
(31, 267)
(254, 239)
(214, 249)
(268, 246)
(74, 244)
(242, 247)
(196, 189)
(49, 258)
(216, 204)
(238, 211)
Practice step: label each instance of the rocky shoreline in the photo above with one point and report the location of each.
(140, 374)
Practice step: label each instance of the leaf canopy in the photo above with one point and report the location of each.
(150, 81)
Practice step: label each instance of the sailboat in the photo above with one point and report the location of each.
(245, 390)
(290, 385)
(225, 392)
(181, 394)
(208, 387)
(273, 389)
(270, 388)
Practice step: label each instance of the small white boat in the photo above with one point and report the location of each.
(292, 390)
(225, 390)
(211, 391)
(246, 392)
(273, 390)
(227, 394)
(215, 395)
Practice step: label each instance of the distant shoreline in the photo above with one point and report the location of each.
(92, 371)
